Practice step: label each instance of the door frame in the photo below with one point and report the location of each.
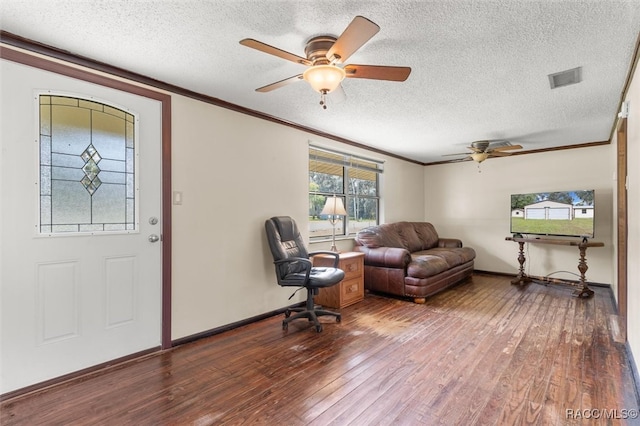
(622, 227)
(165, 100)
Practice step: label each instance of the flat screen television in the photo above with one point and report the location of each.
(562, 213)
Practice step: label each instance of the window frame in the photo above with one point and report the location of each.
(349, 162)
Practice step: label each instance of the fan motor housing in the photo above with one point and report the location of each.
(480, 145)
(317, 48)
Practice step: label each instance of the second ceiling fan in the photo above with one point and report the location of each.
(325, 53)
(481, 150)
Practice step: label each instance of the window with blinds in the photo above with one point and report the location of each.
(353, 179)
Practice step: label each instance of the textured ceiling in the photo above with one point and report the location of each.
(479, 68)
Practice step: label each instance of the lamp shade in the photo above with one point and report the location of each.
(334, 207)
(479, 157)
(324, 78)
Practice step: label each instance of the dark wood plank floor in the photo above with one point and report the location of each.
(485, 353)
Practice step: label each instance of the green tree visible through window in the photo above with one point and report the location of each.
(353, 179)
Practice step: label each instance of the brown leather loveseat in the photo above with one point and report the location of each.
(408, 259)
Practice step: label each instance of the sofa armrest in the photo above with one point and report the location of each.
(388, 257)
(449, 243)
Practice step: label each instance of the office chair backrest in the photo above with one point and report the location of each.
(285, 242)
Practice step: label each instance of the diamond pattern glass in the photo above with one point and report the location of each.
(91, 170)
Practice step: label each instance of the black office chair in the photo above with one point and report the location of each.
(294, 269)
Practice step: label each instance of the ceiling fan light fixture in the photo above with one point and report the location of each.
(324, 78)
(479, 157)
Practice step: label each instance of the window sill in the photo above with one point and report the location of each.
(328, 240)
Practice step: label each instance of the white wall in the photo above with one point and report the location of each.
(235, 171)
(232, 176)
(474, 204)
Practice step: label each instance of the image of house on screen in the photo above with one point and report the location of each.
(583, 211)
(553, 210)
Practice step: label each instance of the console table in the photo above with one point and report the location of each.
(523, 278)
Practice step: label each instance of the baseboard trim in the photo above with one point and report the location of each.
(95, 369)
(228, 327)
(502, 274)
(634, 370)
(542, 279)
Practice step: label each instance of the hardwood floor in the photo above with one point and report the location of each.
(485, 353)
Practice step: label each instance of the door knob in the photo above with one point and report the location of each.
(153, 238)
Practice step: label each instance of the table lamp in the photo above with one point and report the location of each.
(334, 209)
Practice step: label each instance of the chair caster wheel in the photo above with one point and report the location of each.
(318, 328)
(287, 313)
(285, 325)
(338, 318)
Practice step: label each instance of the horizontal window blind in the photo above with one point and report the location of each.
(326, 161)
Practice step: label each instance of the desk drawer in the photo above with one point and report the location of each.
(352, 268)
(352, 291)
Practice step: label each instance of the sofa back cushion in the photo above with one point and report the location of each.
(427, 235)
(379, 236)
(413, 236)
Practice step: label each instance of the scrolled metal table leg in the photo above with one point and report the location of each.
(584, 291)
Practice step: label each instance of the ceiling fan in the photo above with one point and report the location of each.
(481, 150)
(325, 53)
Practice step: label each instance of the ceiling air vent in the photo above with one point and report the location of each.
(565, 78)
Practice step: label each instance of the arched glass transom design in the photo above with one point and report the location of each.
(87, 167)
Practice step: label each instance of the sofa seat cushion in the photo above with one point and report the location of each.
(454, 256)
(427, 263)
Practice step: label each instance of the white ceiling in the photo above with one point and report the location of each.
(479, 68)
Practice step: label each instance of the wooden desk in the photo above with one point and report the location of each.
(348, 291)
(522, 278)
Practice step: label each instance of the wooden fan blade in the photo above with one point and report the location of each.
(263, 47)
(458, 154)
(470, 148)
(279, 84)
(499, 154)
(505, 148)
(357, 33)
(377, 72)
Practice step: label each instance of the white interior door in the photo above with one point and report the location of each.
(79, 285)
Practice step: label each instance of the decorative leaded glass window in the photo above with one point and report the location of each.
(87, 167)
